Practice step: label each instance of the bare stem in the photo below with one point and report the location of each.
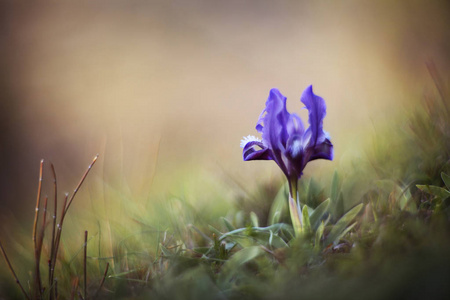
(103, 280)
(38, 251)
(64, 209)
(36, 214)
(57, 239)
(12, 271)
(81, 181)
(52, 242)
(37, 277)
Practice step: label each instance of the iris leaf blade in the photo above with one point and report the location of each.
(341, 225)
(318, 213)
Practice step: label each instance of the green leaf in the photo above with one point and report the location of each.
(434, 190)
(214, 230)
(354, 189)
(254, 219)
(334, 187)
(344, 232)
(405, 202)
(375, 215)
(319, 234)
(310, 210)
(267, 236)
(309, 191)
(234, 264)
(236, 231)
(338, 207)
(318, 213)
(279, 205)
(275, 228)
(305, 219)
(243, 240)
(269, 239)
(228, 224)
(446, 180)
(341, 225)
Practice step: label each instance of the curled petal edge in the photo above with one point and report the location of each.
(317, 111)
(323, 150)
(250, 151)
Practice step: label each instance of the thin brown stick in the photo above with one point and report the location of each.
(64, 210)
(36, 215)
(38, 251)
(12, 271)
(103, 280)
(37, 277)
(74, 288)
(81, 181)
(85, 263)
(57, 239)
(52, 242)
(44, 220)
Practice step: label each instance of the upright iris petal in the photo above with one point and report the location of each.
(284, 138)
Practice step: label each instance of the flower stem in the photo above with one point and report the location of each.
(293, 207)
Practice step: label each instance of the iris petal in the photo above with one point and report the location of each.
(323, 150)
(251, 151)
(272, 125)
(295, 125)
(274, 117)
(317, 111)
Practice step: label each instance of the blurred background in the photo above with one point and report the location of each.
(165, 90)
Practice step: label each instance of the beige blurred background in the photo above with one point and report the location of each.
(165, 90)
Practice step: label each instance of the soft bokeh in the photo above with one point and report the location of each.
(165, 90)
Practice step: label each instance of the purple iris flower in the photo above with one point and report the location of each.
(284, 138)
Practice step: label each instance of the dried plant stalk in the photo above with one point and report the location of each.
(81, 181)
(103, 280)
(37, 277)
(36, 215)
(38, 240)
(12, 271)
(52, 241)
(64, 210)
